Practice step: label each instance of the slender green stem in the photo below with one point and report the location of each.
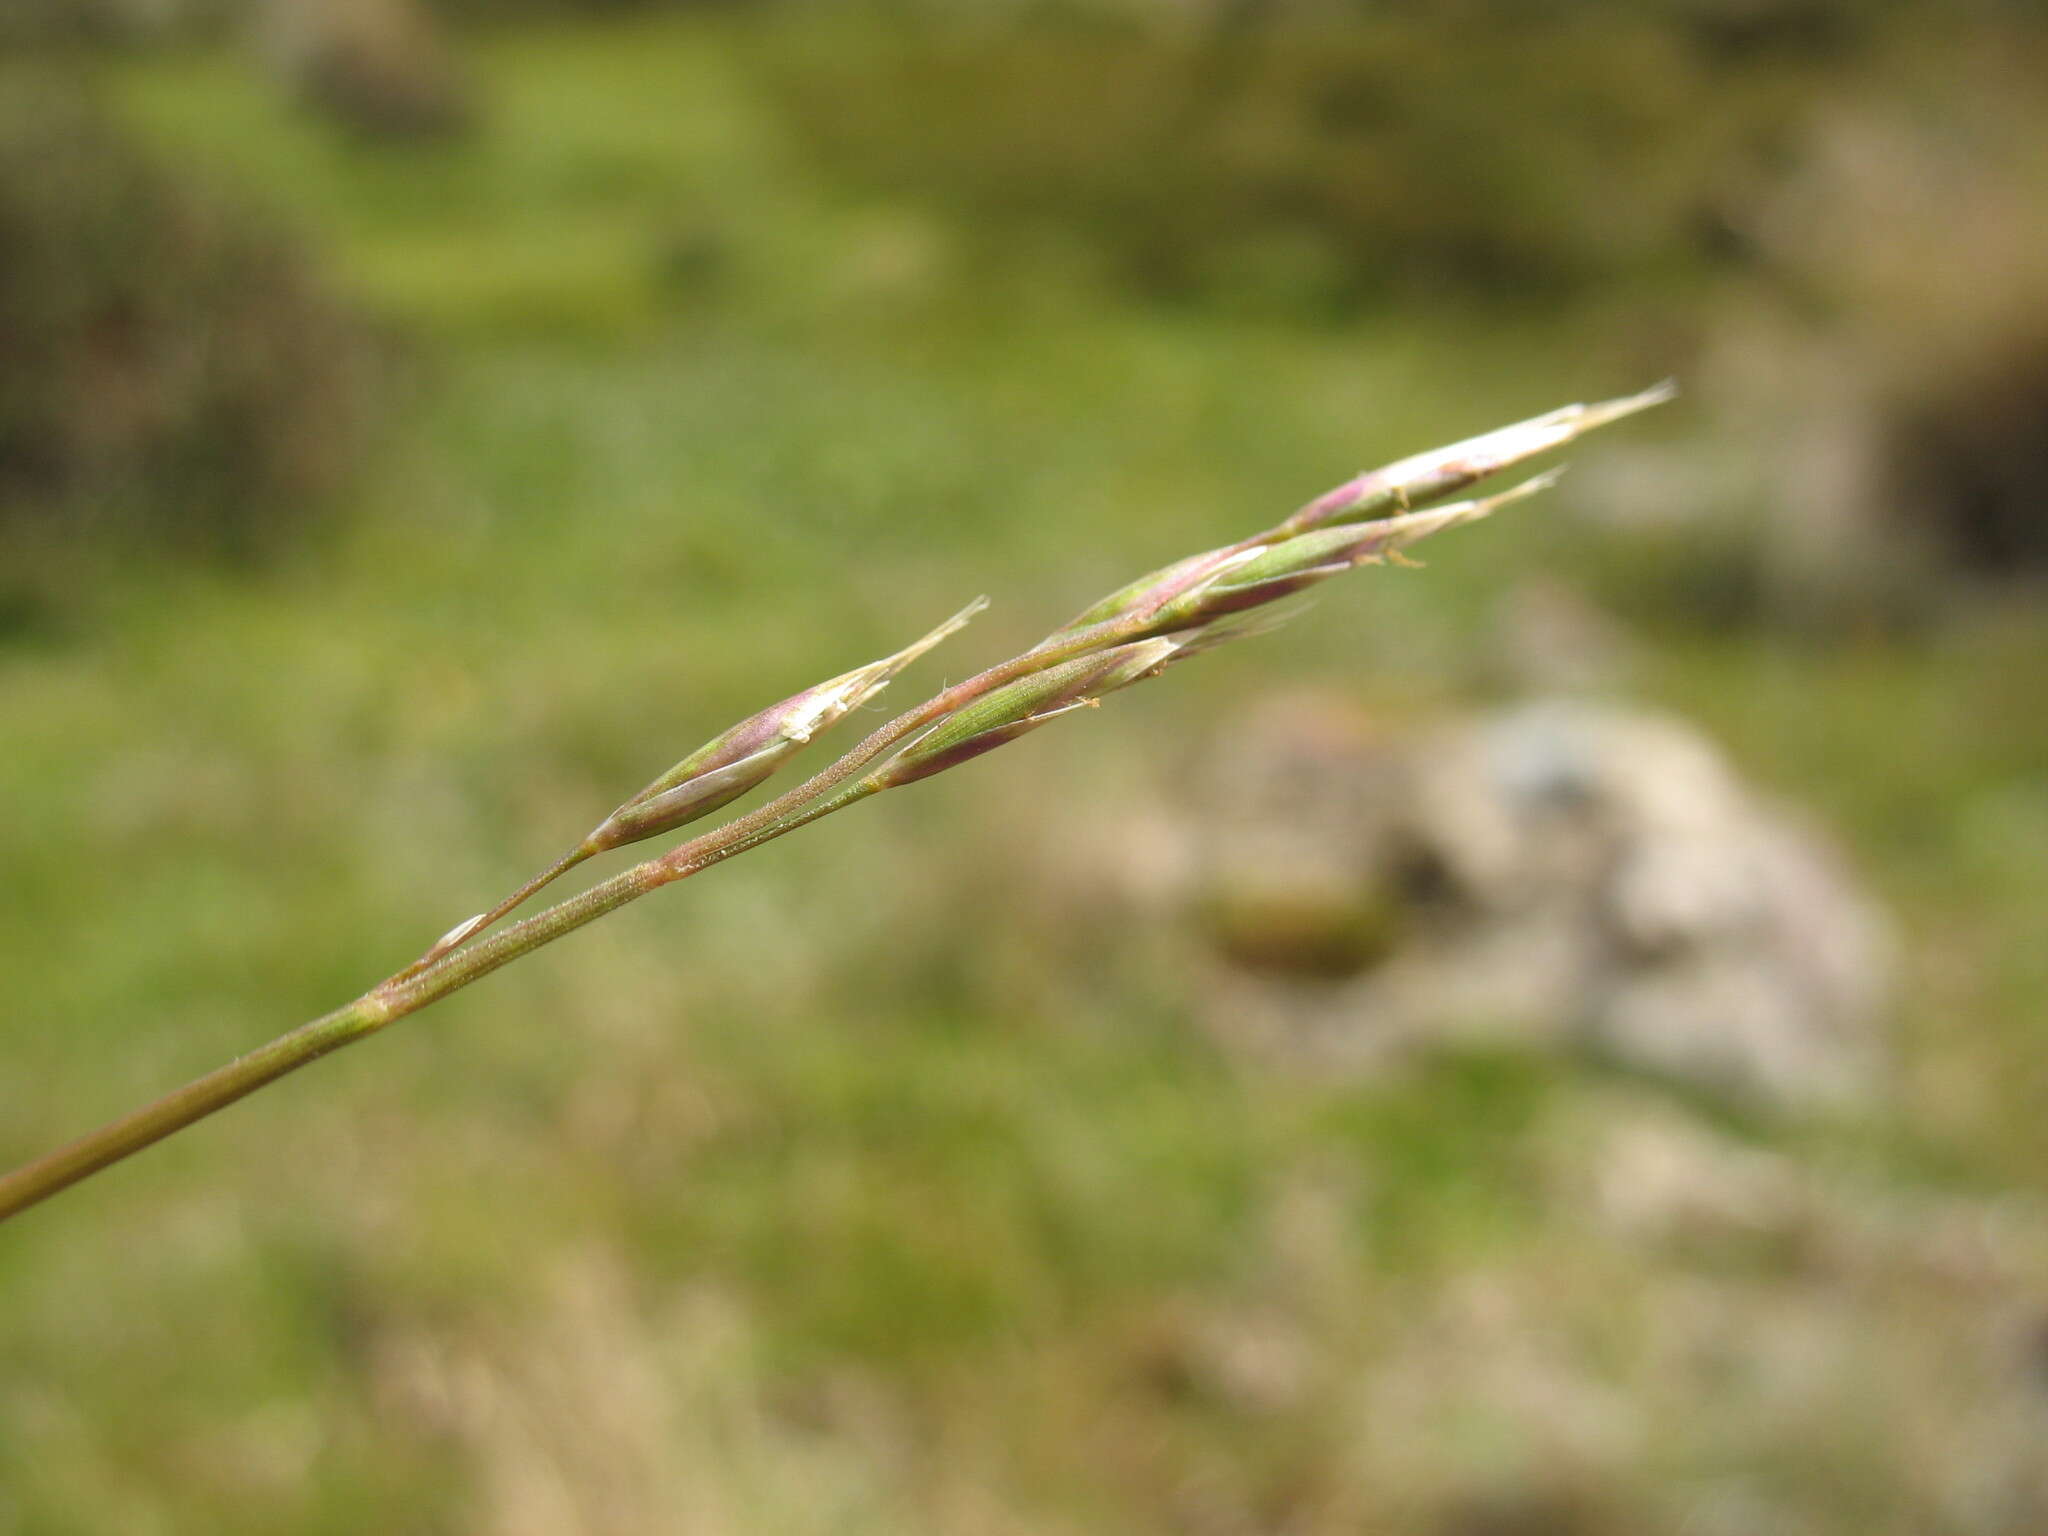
(406, 992)
(369, 1013)
(195, 1101)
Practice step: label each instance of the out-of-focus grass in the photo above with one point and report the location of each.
(548, 220)
(864, 1185)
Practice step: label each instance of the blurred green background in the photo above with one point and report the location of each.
(420, 424)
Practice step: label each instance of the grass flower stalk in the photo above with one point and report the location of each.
(737, 760)
(1130, 636)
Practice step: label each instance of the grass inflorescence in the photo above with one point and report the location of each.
(1130, 636)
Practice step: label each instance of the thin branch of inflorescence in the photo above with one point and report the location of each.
(1133, 634)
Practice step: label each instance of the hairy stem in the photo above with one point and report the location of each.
(462, 932)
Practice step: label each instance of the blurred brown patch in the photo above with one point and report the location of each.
(175, 368)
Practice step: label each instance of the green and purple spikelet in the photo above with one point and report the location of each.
(1133, 634)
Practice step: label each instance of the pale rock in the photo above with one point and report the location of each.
(1561, 875)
